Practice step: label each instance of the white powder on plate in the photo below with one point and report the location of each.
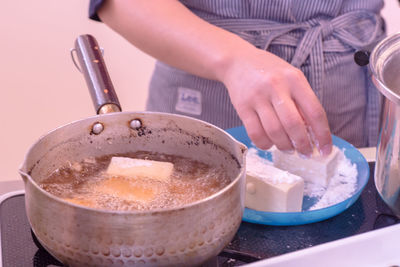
(342, 185)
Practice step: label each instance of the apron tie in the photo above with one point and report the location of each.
(311, 38)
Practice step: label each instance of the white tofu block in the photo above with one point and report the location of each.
(140, 168)
(123, 189)
(271, 189)
(317, 169)
(81, 201)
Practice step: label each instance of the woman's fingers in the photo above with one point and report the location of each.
(273, 127)
(318, 126)
(277, 119)
(314, 116)
(293, 125)
(276, 104)
(255, 130)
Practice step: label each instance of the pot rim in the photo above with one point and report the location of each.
(23, 172)
(378, 59)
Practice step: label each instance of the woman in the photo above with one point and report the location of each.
(234, 62)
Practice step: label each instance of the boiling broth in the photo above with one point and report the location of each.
(86, 183)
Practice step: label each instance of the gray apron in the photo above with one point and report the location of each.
(317, 36)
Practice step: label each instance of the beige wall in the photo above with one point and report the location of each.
(41, 89)
(391, 13)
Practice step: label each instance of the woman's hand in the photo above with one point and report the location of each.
(276, 103)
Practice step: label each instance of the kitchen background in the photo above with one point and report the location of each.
(40, 87)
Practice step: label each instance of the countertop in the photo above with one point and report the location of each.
(9, 186)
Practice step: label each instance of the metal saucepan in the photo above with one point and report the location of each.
(81, 236)
(385, 65)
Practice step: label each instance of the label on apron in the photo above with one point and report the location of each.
(189, 101)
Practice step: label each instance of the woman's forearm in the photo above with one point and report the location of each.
(168, 31)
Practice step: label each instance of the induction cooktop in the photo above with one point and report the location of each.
(252, 242)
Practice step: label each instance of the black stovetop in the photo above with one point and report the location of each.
(251, 243)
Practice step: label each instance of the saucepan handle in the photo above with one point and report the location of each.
(93, 68)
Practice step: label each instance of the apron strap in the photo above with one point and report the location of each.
(312, 44)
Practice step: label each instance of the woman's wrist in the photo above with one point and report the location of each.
(227, 60)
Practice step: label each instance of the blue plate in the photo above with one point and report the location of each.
(307, 216)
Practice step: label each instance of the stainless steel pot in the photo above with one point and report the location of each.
(81, 236)
(385, 66)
